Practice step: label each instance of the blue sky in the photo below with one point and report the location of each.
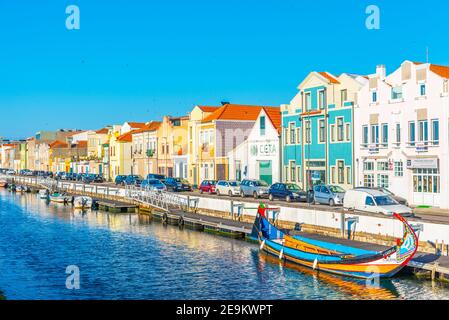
(138, 60)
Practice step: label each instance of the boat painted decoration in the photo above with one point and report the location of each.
(60, 198)
(332, 257)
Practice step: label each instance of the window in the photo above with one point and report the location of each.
(332, 128)
(298, 135)
(308, 135)
(396, 93)
(423, 131)
(307, 101)
(426, 180)
(382, 166)
(322, 131)
(365, 135)
(385, 134)
(382, 180)
(422, 89)
(398, 169)
(321, 99)
(341, 171)
(285, 136)
(398, 133)
(340, 129)
(374, 96)
(375, 133)
(348, 175)
(411, 132)
(298, 173)
(333, 174)
(435, 132)
(368, 180)
(369, 201)
(368, 166)
(292, 171)
(446, 86)
(292, 133)
(262, 125)
(286, 173)
(348, 132)
(344, 96)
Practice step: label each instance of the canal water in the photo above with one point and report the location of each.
(126, 256)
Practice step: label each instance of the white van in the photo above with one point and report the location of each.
(374, 201)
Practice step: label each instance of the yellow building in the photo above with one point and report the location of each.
(144, 149)
(196, 116)
(95, 150)
(172, 147)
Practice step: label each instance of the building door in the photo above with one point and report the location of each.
(266, 171)
(238, 170)
(426, 187)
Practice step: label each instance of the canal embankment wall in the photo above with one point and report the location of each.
(434, 236)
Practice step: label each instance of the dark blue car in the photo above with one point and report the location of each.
(133, 180)
(120, 180)
(287, 191)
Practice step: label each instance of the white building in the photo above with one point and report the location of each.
(401, 130)
(258, 157)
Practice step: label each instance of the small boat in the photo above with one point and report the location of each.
(60, 198)
(22, 189)
(43, 194)
(335, 258)
(82, 202)
(3, 184)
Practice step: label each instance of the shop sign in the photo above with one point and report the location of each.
(425, 163)
(263, 149)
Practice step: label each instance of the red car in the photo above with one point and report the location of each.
(208, 186)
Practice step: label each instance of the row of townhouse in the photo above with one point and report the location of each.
(350, 130)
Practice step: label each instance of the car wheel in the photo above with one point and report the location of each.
(255, 195)
(230, 193)
(242, 194)
(201, 191)
(270, 197)
(331, 202)
(218, 193)
(210, 191)
(288, 199)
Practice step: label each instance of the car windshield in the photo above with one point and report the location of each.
(234, 183)
(336, 189)
(261, 183)
(154, 181)
(385, 201)
(293, 187)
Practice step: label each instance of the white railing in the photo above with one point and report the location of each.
(161, 199)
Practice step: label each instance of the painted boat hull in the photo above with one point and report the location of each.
(3, 184)
(59, 199)
(333, 258)
(82, 203)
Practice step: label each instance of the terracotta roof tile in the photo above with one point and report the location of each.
(275, 117)
(442, 71)
(81, 144)
(208, 108)
(127, 137)
(58, 144)
(152, 126)
(102, 131)
(329, 77)
(236, 112)
(136, 125)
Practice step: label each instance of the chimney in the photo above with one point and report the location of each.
(381, 71)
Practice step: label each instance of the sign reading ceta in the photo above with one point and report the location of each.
(72, 21)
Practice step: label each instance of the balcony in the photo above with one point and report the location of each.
(423, 146)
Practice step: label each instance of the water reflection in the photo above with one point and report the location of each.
(127, 256)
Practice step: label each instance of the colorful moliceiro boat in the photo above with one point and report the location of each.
(335, 258)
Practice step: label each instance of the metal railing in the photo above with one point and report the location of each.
(161, 199)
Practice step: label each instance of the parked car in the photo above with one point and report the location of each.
(133, 180)
(24, 172)
(374, 201)
(160, 177)
(10, 172)
(254, 188)
(287, 191)
(154, 185)
(399, 199)
(208, 186)
(177, 184)
(328, 194)
(230, 188)
(120, 180)
(88, 178)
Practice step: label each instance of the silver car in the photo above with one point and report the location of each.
(254, 188)
(328, 194)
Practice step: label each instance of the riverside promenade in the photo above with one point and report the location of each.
(234, 218)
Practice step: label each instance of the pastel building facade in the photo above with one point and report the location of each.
(402, 133)
(259, 157)
(317, 131)
(144, 150)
